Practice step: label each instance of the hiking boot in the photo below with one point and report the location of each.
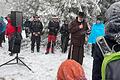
(47, 53)
(38, 50)
(62, 51)
(52, 52)
(11, 54)
(32, 51)
(0, 45)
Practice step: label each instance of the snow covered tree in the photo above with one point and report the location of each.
(105, 4)
(65, 9)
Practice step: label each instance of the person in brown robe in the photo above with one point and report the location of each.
(77, 29)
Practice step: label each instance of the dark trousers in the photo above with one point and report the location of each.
(10, 45)
(49, 45)
(14, 46)
(76, 53)
(2, 38)
(64, 43)
(27, 32)
(1, 41)
(96, 71)
(35, 39)
(97, 62)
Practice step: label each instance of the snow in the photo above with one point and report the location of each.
(45, 67)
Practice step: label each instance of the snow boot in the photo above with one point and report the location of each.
(47, 52)
(32, 51)
(11, 54)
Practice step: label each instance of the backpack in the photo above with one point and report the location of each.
(111, 63)
(111, 67)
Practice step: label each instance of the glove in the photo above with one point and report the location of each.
(38, 32)
(33, 33)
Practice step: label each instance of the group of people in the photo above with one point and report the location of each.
(35, 27)
(109, 29)
(75, 31)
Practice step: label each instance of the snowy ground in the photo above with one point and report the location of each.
(44, 66)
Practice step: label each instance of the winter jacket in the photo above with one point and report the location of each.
(53, 27)
(77, 34)
(64, 30)
(96, 31)
(27, 24)
(36, 27)
(112, 27)
(98, 58)
(10, 30)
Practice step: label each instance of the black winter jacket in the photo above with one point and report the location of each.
(36, 26)
(98, 58)
(64, 30)
(53, 28)
(27, 24)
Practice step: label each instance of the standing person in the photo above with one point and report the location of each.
(64, 36)
(10, 32)
(53, 27)
(112, 27)
(2, 30)
(97, 30)
(36, 30)
(27, 26)
(77, 29)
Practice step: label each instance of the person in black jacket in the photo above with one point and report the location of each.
(36, 30)
(27, 26)
(98, 58)
(64, 36)
(53, 27)
(112, 38)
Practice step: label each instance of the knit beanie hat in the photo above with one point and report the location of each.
(99, 17)
(70, 70)
(82, 14)
(113, 21)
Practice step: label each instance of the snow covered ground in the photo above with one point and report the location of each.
(44, 66)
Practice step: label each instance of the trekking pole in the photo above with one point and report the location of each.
(104, 48)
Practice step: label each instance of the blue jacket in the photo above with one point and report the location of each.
(98, 29)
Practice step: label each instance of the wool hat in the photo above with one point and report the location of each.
(113, 18)
(113, 21)
(70, 70)
(36, 16)
(99, 17)
(81, 14)
(55, 17)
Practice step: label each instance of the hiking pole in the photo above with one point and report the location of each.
(101, 42)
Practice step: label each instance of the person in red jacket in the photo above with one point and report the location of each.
(10, 30)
